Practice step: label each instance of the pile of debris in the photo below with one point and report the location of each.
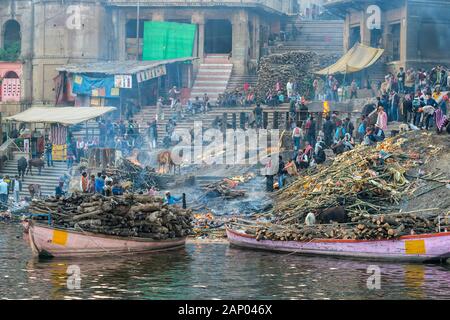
(368, 182)
(295, 65)
(130, 215)
(208, 226)
(133, 177)
(226, 188)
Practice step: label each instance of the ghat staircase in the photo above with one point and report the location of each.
(212, 77)
(148, 113)
(319, 36)
(48, 179)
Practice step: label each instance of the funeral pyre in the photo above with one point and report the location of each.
(131, 215)
(367, 185)
(226, 188)
(132, 176)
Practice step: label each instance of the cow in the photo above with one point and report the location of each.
(35, 190)
(165, 159)
(333, 214)
(22, 165)
(38, 163)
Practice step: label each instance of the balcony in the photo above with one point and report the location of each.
(268, 5)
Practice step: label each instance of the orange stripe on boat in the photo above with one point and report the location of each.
(60, 237)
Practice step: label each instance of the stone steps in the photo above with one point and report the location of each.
(212, 77)
(238, 81)
(320, 36)
(148, 113)
(48, 179)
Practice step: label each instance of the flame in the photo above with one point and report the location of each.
(133, 158)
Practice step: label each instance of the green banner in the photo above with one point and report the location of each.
(168, 40)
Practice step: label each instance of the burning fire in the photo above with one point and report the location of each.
(133, 158)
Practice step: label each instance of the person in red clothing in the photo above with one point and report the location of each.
(246, 87)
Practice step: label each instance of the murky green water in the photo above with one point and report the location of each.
(210, 271)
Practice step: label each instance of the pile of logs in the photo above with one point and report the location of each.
(131, 215)
(296, 66)
(365, 227)
(132, 176)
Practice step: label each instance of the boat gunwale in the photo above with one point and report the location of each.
(322, 240)
(107, 236)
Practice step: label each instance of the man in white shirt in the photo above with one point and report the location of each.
(3, 191)
(16, 189)
(289, 89)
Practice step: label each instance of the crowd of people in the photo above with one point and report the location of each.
(98, 184)
(239, 97)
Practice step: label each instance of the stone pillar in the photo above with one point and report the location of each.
(265, 120)
(275, 120)
(403, 36)
(365, 32)
(412, 31)
(199, 20)
(241, 40)
(25, 20)
(121, 19)
(257, 37)
(346, 33)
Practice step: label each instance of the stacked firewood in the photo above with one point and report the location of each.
(364, 227)
(296, 66)
(129, 215)
(132, 176)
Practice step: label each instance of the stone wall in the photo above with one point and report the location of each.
(55, 32)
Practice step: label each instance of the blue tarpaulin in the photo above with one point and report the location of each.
(95, 87)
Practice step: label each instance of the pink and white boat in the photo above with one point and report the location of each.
(48, 241)
(414, 248)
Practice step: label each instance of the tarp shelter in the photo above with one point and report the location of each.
(60, 115)
(356, 59)
(142, 69)
(168, 40)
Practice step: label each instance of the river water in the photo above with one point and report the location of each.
(210, 271)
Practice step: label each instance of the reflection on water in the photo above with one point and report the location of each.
(210, 271)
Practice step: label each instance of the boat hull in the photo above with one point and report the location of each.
(416, 248)
(46, 241)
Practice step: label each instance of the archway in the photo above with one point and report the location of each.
(218, 36)
(11, 75)
(11, 35)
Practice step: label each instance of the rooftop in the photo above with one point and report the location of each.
(119, 67)
(275, 6)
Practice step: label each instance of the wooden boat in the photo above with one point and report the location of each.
(413, 248)
(47, 241)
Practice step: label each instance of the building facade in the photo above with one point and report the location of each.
(413, 33)
(52, 33)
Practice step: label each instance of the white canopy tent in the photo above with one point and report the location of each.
(65, 116)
